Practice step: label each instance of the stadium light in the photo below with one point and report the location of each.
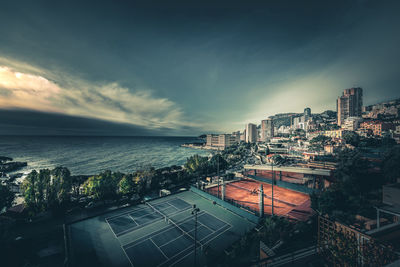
(195, 210)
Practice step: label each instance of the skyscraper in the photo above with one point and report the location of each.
(349, 104)
(251, 133)
(307, 113)
(267, 129)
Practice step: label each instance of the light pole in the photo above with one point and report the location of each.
(218, 170)
(273, 178)
(195, 210)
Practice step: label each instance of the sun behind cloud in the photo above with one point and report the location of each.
(108, 101)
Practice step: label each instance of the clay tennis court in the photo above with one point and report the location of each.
(289, 203)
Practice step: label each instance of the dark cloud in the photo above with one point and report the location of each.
(27, 122)
(218, 60)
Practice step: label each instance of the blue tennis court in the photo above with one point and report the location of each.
(131, 220)
(174, 242)
(159, 232)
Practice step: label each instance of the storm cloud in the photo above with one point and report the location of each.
(204, 66)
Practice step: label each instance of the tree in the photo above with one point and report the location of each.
(274, 229)
(143, 179)
(127, 185)
(319, 142)
(47, 189)
(390, 164)
(352, 138)
(196, 164)
(299, 132)
(353, 173)
(6, 197)
(278, 159)
(102, 186)
(332, 201)
(76, 182)
(350, 194)
(216, 160)
(29, 191)
(60, 186)
(43, 190)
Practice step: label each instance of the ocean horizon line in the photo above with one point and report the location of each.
(55, 135)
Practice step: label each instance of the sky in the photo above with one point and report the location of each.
(187, 67)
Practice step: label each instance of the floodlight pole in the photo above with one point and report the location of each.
(218, 170)
(194, 212)
(273, 179)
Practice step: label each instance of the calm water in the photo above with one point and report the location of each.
(91, 155)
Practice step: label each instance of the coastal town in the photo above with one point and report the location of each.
(314, 189)
(214, 133)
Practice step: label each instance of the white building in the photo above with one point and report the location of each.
(221, 140)
(351, 123)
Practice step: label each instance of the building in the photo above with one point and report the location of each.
(334, 133)
(299, 123)
(307, 113)
(396, 134)
(243, 136)
(251, 133)
(212, 140)
(351, 123)
(302, 122)
(221, 140)
(267, 129)
(376, 128)
(349, 104)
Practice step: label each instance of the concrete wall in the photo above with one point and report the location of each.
(294, 187)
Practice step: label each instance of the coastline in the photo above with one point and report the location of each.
(88, 155)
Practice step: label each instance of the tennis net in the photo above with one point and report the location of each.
(156, 210)
(243, 188)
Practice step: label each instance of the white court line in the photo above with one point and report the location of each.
(112, 230)
(210, 234)
(127, 256)
(133, 219)
(177, 254)
(153, 221)
(158, 248)
(220, 219)
(175, 238)
(133, 210)
(175, 262)
(173, 206)
(125, 212)
(167, 227)
(205, 225)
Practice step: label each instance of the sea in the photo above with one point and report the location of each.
(87, 155)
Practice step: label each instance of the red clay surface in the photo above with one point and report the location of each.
(289, 203)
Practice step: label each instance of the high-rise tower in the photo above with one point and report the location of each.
(251, 133)
(349, 104)
(267, 129)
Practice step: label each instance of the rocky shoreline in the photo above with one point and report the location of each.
(8, 165)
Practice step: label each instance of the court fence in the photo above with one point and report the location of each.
(287, 185)
(230, 205)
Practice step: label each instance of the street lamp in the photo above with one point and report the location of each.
(195, 210)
